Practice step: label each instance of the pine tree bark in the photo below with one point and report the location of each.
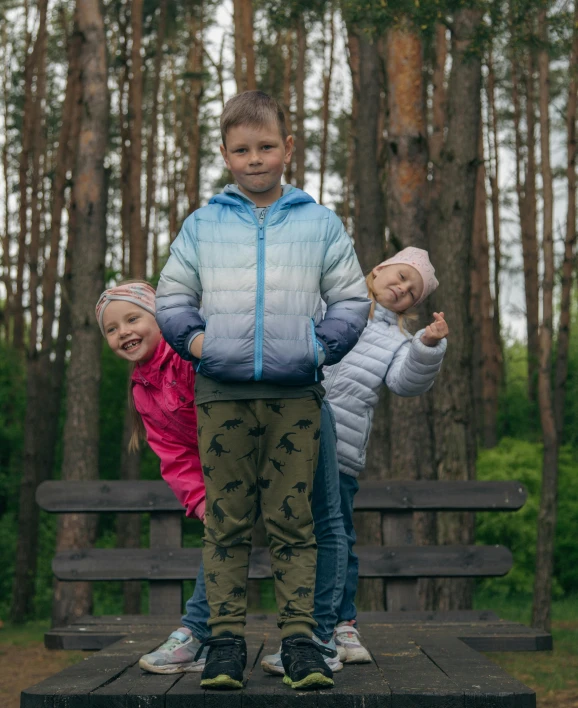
(352, 189)
(485, 361)
(287, 83)
(410, 430)
(370, 247)
(438, 116)
(45, 368)
(569, 240)
(151, 164)
(80, 458)
(138, 241)
(195, 94)
(450, 245)
(244, 46)
(327, 76)
(299, 153)
(542, 603)
(494, 172)
(6, 236)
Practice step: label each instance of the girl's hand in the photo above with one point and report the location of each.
(436, 331)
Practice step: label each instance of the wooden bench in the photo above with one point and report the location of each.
(420, 658)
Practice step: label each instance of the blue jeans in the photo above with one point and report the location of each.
(330, 537)
(348, 487)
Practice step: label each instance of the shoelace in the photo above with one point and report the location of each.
(350, 632)
(302, 648)
(225, 647)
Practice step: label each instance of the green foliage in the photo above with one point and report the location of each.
(522, 461)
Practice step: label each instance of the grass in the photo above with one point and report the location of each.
(553, 675)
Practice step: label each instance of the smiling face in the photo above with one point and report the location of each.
(257, 157)
(131, 332)
(397, 287)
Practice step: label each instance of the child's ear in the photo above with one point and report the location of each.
(224, 154)
(289, 145)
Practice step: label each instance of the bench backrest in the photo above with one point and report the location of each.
(165, 564)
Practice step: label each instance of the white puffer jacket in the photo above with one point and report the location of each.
(383, 355)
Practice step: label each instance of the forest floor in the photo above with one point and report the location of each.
(553, 675)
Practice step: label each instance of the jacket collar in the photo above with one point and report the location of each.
(235, 198)
(151, 372)
(382, 314)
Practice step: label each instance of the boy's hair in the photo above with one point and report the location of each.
(253, 108)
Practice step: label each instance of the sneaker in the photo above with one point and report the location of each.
(347, 638)
(272, 664)
(175, 656)
(225, 663)
(303, 663)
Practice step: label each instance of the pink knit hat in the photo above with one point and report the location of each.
(141, 294)
(419, 259)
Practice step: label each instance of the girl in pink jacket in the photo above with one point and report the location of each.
(161, 389)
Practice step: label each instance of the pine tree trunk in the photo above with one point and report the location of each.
(541, 608)
(436, 140)
(485, 358)
(287, 82)
(450, 245)
(80, 458)
(151, 165)
(412, 454)
(352, 189)
(370, 248)
(138, 254)
(45, 373)
(6, 236)
(248, 44)
(300, 104)
(494, 172)
(327, 75)
(569, 241)
(196, 89)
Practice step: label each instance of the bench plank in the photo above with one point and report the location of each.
(477, 676)
(419, 495)
(374, 562)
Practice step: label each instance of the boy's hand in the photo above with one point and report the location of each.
(434, 332)
(197, 346)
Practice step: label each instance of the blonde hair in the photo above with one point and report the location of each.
(138, 430)
(402, 317)
(253, 108)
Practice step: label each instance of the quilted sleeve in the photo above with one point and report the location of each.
(414, 366)
(179, 293)
(343, 289)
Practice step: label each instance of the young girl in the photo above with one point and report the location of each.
(385, 354)
(162, 392)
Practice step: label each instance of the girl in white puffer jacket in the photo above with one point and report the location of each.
(385, 354)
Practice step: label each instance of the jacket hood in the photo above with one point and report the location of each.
(232, 196)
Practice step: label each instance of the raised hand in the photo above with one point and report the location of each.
(436, 331)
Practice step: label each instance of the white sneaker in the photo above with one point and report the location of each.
(347, 639)
(176, 655)
(272, 664)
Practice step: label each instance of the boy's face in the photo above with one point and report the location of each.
(257, 157)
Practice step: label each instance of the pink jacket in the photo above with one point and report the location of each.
(163, 392)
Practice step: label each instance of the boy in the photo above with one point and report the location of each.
(261, 256)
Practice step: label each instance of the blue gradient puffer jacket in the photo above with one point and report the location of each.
(261, 288)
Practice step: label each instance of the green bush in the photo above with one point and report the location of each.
(522, 461)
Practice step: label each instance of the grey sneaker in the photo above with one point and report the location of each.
(176, 655)
(347, 638)
(272, 664)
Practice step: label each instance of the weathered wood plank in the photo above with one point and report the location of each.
(165, 532)
(143, 496)
(397, 530)
(71, 686)
(374, 562)
(483, 682)
(414, 680)
(361, 686)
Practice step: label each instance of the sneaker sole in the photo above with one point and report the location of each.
(222, 681)
(195, 666)
(315, 680)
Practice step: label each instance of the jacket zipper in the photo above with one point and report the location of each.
(260, 300)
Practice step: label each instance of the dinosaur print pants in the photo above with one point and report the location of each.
(255, 454)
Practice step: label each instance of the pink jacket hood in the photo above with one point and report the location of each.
(163, 392)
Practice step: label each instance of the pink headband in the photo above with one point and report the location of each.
(141, 294)
(419, 259)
